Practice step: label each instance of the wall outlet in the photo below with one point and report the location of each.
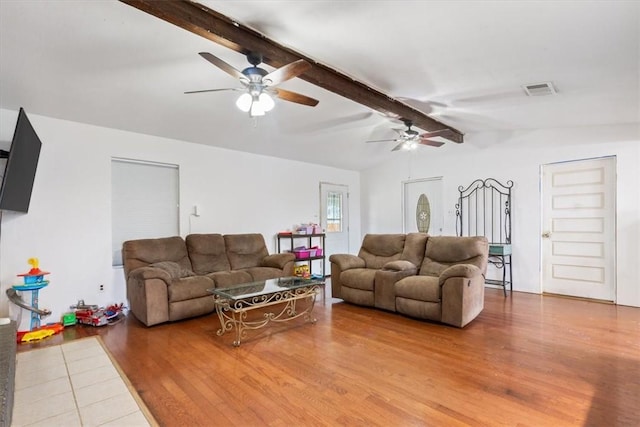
(101, 288)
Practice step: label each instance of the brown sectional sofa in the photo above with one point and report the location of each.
(438, 278)
(168, 278)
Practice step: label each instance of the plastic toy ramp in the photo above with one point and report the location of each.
(17, 300)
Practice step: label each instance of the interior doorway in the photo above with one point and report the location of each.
(578, 238)
(334, 218)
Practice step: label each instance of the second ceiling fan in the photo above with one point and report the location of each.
(409, 139)
(259, 85)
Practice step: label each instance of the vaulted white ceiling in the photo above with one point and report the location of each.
(463, 62)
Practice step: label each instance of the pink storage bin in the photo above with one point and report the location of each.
(300, 254)
(312, 252)
(317, 251)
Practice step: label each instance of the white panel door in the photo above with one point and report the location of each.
(334, 218)
(411, 191)
(579, 228)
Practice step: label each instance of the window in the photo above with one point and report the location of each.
(144, 202)
(334, 212)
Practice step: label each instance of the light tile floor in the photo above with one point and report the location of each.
(73, 384)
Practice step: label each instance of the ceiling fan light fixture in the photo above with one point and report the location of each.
(244, 102)
(410, 145)
(266, 102)
(256, 110)
(255, 105)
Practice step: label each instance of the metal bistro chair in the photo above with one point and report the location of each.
(484, 209)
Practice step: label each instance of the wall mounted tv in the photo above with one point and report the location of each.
(20, 169)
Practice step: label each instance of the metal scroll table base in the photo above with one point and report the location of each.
(233, 313)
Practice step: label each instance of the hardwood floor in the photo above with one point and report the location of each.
(527, 360)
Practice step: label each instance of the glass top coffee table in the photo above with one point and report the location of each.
(233, 303)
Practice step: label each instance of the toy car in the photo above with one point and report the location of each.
(99, 317)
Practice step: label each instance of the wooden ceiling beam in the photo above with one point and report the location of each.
(221, 29)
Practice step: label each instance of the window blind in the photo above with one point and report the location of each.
(144, 202)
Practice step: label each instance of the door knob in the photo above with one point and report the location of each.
(546, 234)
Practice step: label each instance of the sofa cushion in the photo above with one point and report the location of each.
(419, 309)
(419, 288)
(142, 252)
(207, 253)
(175, 270)
(359, 278)
(245, 250)
(189, 288)
(445, 251)
(414, 247)
(358, 296)
(263, 273)
(379, 249)
(226, 279)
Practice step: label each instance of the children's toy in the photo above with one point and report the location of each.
(69, 319)
(301, 271)
(35, 275)
(99, 316)
(33, 282)
(82, 306)
(36, 335)
(40, 333)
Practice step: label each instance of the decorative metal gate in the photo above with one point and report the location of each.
(484, 209)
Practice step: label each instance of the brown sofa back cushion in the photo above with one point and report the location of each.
(142, 252)
(379, 249)
(445, 251)
(245, 250)
(414, 247)
(207, 253)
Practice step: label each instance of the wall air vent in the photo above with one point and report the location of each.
(539, 89)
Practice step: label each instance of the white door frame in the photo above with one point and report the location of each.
(548, 249)
(346, 212)
(438, 213)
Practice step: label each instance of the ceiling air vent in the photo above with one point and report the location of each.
(539, 89)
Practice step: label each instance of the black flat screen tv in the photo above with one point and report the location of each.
(20, 169)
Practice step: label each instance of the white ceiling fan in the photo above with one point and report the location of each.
(259, 85)
(409, 139)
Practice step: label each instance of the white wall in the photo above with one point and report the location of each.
(517, 156)
(68, 226)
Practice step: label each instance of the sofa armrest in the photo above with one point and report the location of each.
(347, 261)
(469, 271)
(339, 264)
(146, 273)
(278, 260)
(462, 292)
(148, 294)
(400, 265)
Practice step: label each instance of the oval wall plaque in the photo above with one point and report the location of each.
(423, 214)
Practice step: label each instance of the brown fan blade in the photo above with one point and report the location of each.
(224, 66)
(211, 90)
(431, 143)
(298, 98)
(286, 72)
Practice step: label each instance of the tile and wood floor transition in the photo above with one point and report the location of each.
(527, 360)
(74, 384)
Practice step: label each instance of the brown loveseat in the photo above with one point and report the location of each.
(438, 278)
(168, 278)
